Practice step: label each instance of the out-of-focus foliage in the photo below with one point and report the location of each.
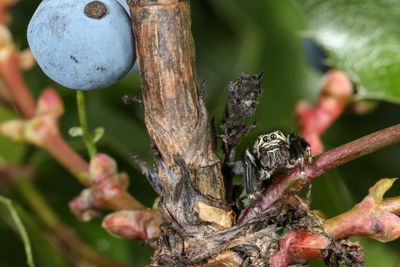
(362, 38)
(231, 36)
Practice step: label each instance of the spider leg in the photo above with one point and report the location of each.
(300, 153)
(308, 195)
(307, 150)
(302, 172)
(253, 178)
(252, 181)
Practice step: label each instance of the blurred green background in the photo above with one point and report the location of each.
(231, 37)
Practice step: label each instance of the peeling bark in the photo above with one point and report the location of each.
(175, 115)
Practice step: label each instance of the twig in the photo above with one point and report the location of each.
(67, 157)
(368, 218)
(322, 163)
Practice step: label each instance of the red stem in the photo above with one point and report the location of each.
(391, 204)
(11, 73)
(67, 157)
(3, 12)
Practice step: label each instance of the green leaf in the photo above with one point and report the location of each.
(363, 39)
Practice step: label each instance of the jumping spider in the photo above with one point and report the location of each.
(273, 154)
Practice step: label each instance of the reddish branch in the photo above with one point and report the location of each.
(373, 217)
(290, 182)
(336, 92)
(391, 204)
(10, 71)
(4, 6)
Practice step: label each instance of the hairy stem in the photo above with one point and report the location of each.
(87, 138)
(322, 163)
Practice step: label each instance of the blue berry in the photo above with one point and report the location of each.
(78, 50)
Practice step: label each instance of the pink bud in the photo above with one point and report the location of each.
(141, 225)
(337, 85)
(102, 166)
(50, 102)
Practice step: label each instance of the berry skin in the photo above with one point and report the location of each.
(78, 51)
(125, 5)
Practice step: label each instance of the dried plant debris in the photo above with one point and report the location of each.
(252, 240)
(186, 240)
(344, 252)
(181, 203)
(242, 98)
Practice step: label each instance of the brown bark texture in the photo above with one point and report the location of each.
(175, 114)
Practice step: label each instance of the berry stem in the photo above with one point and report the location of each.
(90, 146)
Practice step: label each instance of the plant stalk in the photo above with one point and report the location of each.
(87, 138)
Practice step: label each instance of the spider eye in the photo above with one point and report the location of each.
(273, 136)
(265, 138)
